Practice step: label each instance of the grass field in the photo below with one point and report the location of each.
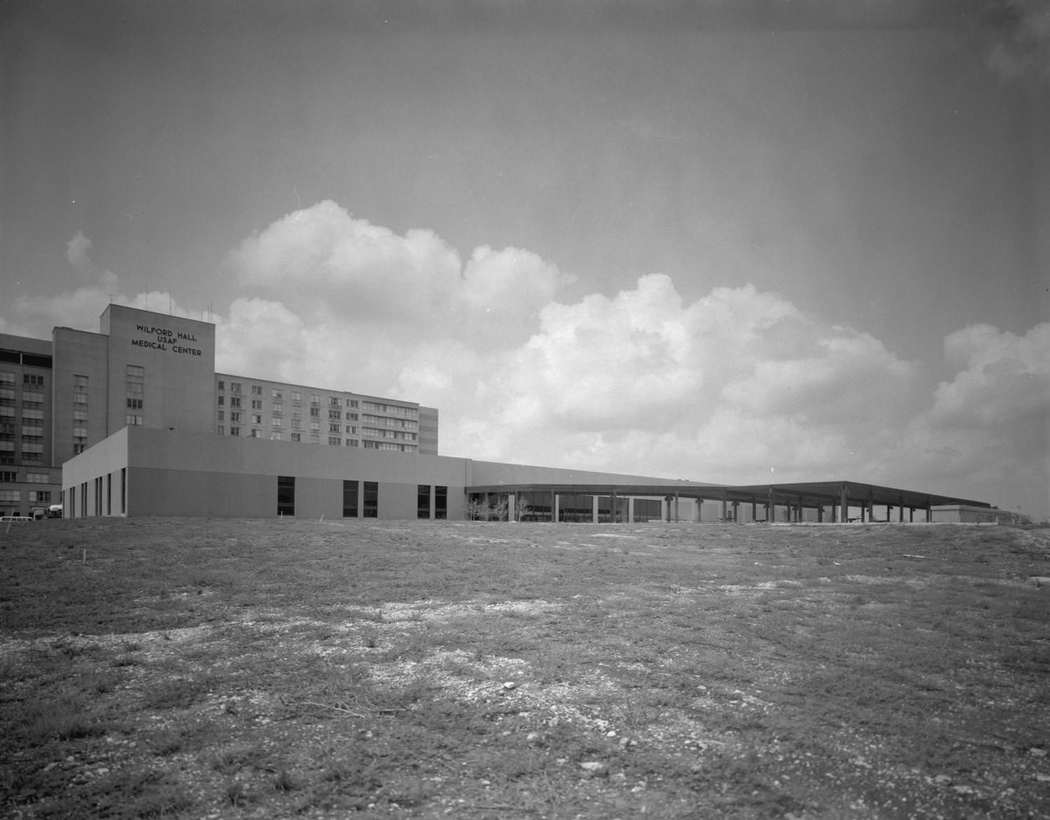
(191, 668)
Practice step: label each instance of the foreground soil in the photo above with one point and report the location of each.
(173, 668)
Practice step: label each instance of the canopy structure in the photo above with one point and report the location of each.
(831, 500)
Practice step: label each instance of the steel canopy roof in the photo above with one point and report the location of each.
(807, 494)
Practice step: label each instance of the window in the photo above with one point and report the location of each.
(37, 478)
(423, 501)
(78, 448)
(352, 429)
(32, 380)
(256, 390)
(7, 377)
(349, 499)
(221, 415)
(351, 442)
(78, 414)
(441, 502)
(256, 404)
(8, 476)
(335, 428)
(276, 422)
(235, 388)
(371, 499)
(276, 395)
(255, 433)
(109, 493)
(335, 414)
(256, 418)
(220, 429)
(134, 383)
(123, 490)
(235, 431)
(10, 495)
(235, 416)
(222, 384)
(297, 396)
(315, 412)
(222, 401)
(335, 441)
(286, 495)
(235, 401)
(334, 402)
(275, 435)
(40, 496)
(296, 436)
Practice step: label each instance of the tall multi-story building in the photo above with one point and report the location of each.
(280, 411)
(28, 475)
(145, 369)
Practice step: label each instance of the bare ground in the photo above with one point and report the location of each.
(260, 668)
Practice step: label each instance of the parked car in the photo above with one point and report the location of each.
(54, 511)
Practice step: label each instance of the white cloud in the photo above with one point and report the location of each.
(323, 260)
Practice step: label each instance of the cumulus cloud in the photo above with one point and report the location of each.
(322, 255)
(1004, 377)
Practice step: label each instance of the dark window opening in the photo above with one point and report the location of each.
(123, 490)
(371, 499)
(441, 502)
(349, 499)
(423, 501)
(286, 495)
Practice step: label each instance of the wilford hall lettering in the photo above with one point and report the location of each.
(167, 340)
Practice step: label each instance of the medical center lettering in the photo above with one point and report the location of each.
(167, 340)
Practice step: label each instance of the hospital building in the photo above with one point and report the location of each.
(133, 420)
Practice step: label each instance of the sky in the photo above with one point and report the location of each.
(747, 242)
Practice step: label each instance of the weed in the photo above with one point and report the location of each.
(284, 781)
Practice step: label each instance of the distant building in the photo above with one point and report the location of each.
(146, 369)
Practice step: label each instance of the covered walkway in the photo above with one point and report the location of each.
(817, 501)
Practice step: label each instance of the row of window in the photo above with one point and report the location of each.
(369, 497)
(28, 379)
(34, 496)
(103, 500)
(11, 476)
(423, 506)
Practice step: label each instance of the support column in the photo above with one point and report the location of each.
(736, 512)
(911, 515)
(676, 519)
(554, 507)
(725, 506)
(699, 510)
(630, 510)
(843, 504)
(594, 509)
(771, 507)
(511, 506)
(754, 509)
